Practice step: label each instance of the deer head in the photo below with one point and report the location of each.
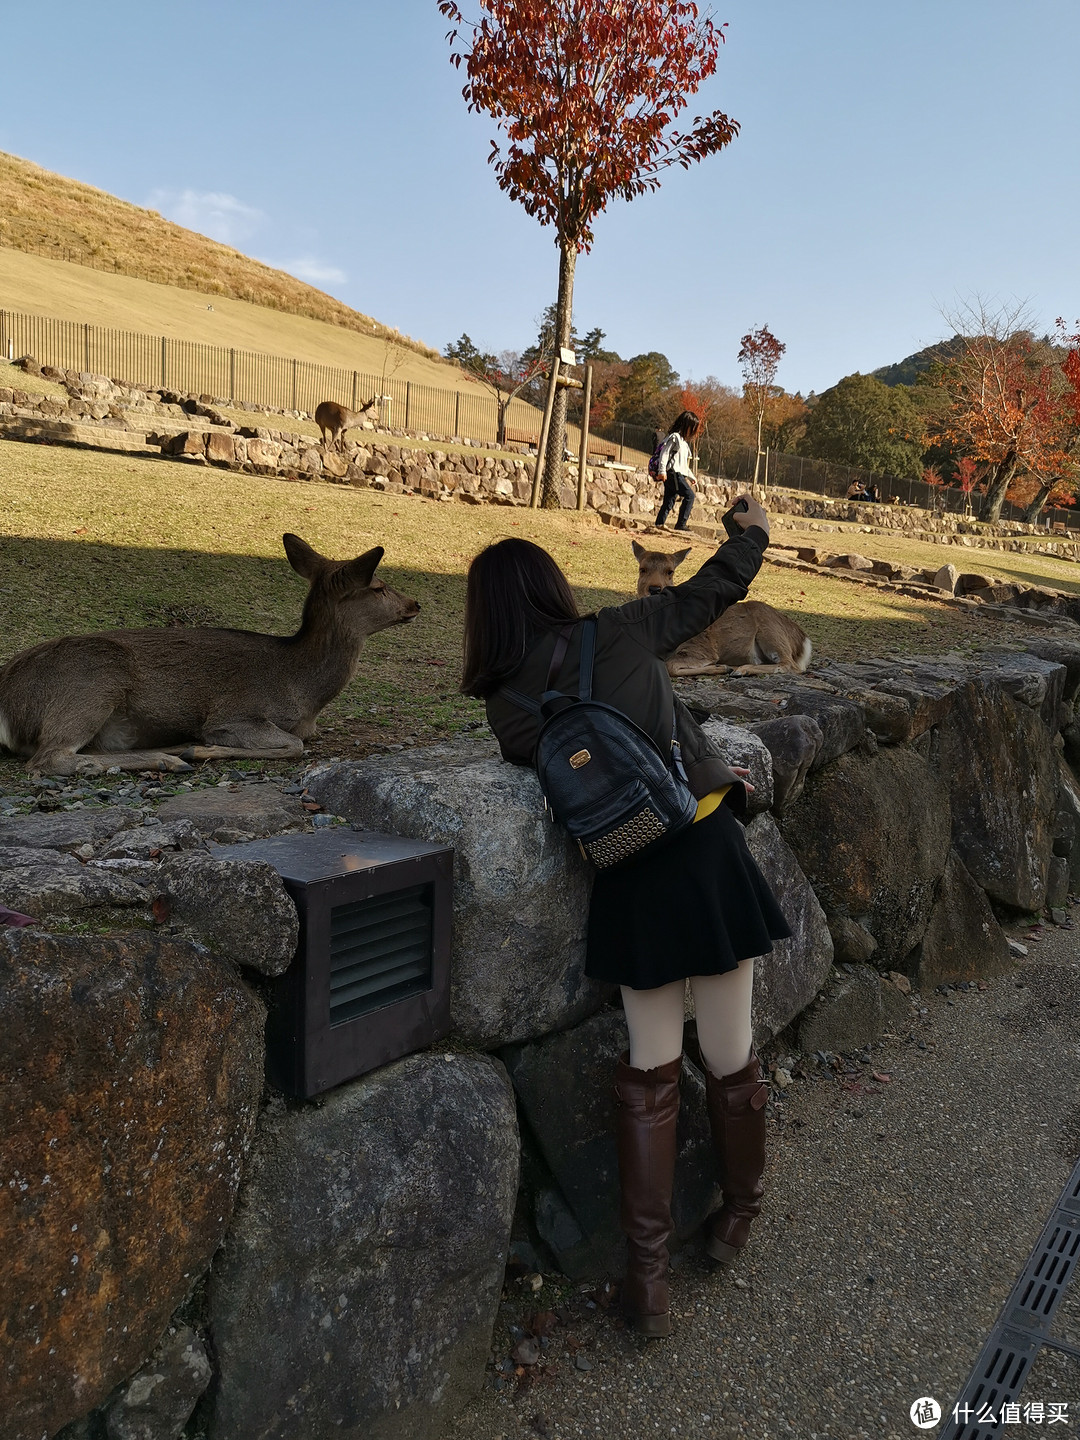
(656, 568)
(345, 601)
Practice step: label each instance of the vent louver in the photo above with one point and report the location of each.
(380, 951)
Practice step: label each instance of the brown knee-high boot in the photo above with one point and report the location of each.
(737, 1119)
(648, 1106)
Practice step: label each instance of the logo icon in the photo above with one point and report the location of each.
(925, 1413)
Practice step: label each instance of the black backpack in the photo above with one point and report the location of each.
(603, 777)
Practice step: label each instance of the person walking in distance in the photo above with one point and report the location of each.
(673, 468)
(695, 907)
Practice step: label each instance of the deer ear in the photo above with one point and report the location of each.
(303, 559)
(679, 556)
(359, 571)
(639, 550)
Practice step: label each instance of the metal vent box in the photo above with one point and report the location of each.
(371, 978)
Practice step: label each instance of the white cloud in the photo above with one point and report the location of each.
(211, 212)
(306, 267)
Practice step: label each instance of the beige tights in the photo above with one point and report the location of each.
(654, 1019)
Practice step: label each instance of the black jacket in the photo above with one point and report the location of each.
(632, 642)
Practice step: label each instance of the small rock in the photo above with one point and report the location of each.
(527, 1351)
(1017, 948)
(1058, 916)
(901, 982)
(582, 1362)
(782, 1077)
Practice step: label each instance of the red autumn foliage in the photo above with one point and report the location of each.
(586, 93)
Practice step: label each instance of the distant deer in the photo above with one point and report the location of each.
(156, 699)
(334, 419)
(750, 638)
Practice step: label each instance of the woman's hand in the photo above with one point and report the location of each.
(742, 771)
(754, 514)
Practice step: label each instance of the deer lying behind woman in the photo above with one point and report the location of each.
(750, 638)
(156, 699)
(334, 419)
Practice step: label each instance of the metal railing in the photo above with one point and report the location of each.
(276, 381)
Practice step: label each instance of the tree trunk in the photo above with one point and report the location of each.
(1031, 514)
(996, 485)
(500, 428)
(554, 464)
(757, 457)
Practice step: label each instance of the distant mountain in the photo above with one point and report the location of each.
(908, 371)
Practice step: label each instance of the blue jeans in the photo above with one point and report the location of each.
(674, 487)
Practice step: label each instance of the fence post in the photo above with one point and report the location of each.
(294, 384)
(584, 456)
(232, 374)
(355, 383)
(825, 478)
(545, 427)
(622, 439)
(164, 343)
(408, 396)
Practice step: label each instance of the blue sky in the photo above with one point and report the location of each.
(892, 159)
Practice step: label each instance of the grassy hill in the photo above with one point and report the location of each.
(69, 250)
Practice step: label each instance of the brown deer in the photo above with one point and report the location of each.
(156, 699)
(334, 419)
(750, 638)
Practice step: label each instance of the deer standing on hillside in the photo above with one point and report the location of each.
(156, 699)
(750, 638)
(334, 419)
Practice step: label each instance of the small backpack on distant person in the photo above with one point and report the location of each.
(604, 779)
(654, 460)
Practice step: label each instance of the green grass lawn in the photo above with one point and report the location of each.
(90, 541)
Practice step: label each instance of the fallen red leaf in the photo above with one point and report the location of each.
(161, 910)
(885, 1079)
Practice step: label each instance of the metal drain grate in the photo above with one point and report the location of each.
(1023, 1328)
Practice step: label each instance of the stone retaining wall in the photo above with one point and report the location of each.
(99, 411)
(358, 1242)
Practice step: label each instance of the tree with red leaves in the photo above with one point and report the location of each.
(1003, 389)
(759, 359)
(586, 92)
(1057, 479)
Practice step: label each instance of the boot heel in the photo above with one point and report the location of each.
(720, 1251)
(653, 1327)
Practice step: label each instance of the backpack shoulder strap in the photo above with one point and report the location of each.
(585, 663)
(521, 701)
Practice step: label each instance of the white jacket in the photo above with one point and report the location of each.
(675, 456)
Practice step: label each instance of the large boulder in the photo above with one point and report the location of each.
(853, 1010)
(156, 1403)
(65, 830)
(358, 1287)
(963, 940)
(738, 746)
(521, 890)
(243, 813)
(872, 834)
(994, 759)
(787, 979)
(130, 1076)
(794, 742)
(240, 908)
(842, 724)
(43, 883)
(564, 1085)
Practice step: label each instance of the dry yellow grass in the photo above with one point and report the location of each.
(45, 214)
(89, 541)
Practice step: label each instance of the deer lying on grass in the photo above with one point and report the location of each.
(157, 699)
(750, 638)
(334, 419)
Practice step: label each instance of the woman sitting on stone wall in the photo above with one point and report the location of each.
(697, 908)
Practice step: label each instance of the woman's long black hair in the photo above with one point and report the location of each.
(686, 424)
(514, 589)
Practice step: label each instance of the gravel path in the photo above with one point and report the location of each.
(897, 1218)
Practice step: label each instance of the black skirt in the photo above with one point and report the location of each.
(696, 906)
